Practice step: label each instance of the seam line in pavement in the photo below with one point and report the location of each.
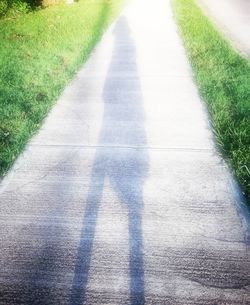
(124, 147)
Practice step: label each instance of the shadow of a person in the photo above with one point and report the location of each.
(123, 158)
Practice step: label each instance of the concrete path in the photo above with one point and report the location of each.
(121, 198)
(233, 17)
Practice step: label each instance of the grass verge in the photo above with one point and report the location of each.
(223, 78)
(13, 8)
(39, 53)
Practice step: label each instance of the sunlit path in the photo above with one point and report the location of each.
(233, 17)
(122, 198)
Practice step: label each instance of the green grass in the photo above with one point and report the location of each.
(39, 53)
(223, 78)
(13, 8)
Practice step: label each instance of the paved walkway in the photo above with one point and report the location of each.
(233, 17)
(121, 198)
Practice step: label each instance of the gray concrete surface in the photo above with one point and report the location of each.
(122, 198)
(233, 18)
